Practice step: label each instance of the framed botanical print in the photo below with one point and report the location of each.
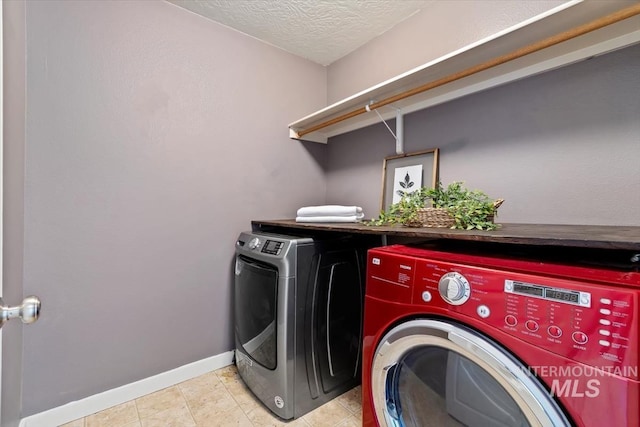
(405, 173)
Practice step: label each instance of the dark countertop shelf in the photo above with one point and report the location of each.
(584, 236)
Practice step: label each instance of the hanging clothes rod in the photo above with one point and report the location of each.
(534, 47)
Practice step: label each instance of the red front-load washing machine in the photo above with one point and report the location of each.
(469, 336)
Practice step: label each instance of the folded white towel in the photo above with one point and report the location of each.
(329, 210)
(329, 218)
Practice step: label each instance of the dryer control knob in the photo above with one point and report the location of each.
(454, 288)
(254, 243)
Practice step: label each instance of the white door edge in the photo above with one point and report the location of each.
(1, 188)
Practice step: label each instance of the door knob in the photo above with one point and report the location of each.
(28, 311)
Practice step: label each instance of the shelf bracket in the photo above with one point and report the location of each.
(399, 134)
(399, 131)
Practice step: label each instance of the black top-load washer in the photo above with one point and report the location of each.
(298, 317)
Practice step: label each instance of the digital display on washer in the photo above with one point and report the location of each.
(562, 295)
(524, 288)
(582, 299)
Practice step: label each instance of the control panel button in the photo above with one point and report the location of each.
(483, 311)
(579, 337)
(531, 325)
(510, 320)
(604, 343)
(605, 311)
(605, 301)
(605, 322)
(426, 296)
(554, 331)
(585, 300)
(604, 332)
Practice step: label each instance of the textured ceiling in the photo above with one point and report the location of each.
(320, 30)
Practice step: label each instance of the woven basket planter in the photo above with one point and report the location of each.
(434, 218)
(440, 217)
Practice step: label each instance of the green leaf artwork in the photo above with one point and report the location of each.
(406, 183)
(406, 180)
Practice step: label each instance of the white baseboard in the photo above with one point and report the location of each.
(98, 402)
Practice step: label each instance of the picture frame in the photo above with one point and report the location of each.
(412, 170)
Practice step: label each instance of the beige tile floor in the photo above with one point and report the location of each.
(218, 398)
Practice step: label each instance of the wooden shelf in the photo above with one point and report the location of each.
(582, 236)
(559, 20)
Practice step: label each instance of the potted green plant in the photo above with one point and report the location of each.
(454, 206)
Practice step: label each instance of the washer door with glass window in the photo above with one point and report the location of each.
(441, 374)
(256, 294)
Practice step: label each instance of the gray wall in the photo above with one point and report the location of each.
(561, 148)
(13, 203)
(153, 137)
(440, 28)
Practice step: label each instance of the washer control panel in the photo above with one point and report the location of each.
(591, 323)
